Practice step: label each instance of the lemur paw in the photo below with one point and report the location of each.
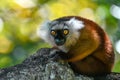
(54, 56)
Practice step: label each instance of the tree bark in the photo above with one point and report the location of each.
(40, 66)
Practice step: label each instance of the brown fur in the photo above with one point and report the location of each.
(93, 53)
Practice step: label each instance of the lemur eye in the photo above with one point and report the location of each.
(65, 31)
(53, 32)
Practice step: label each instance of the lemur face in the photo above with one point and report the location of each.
(59, 32)
(62, 32)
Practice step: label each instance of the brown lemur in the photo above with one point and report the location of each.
(84, 44)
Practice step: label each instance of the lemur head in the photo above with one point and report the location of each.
(59, 32)
(62, 32)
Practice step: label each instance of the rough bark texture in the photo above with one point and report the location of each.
(40, 67)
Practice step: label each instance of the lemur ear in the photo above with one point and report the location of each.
(76, 24)
(43, 30)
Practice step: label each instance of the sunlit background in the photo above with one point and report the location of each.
(19, 20)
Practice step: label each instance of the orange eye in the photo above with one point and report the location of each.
(53, 32)
(65, 31)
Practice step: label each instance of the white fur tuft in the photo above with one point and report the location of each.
(43, 31)
(76, 24)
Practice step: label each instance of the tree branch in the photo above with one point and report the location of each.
(39, 66)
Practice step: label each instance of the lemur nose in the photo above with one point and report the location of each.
(59, 41)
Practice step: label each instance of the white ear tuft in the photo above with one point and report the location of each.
(43, 31)
(77, 24)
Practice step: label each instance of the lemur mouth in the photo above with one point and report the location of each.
(59, 42)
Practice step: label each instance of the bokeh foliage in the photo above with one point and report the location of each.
(19, 20)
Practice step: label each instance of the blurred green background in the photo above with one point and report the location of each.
(19, 20)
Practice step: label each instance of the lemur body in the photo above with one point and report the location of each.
(85, 45)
